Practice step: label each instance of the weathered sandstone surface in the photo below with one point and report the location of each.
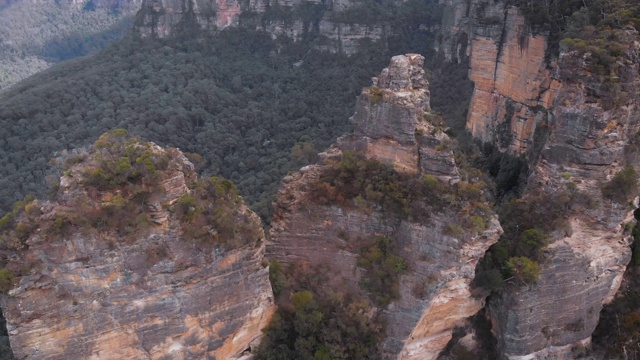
(584, 141)
(392, 122)
(514, 87)
(589, 142)
(155, 295)
(161, 18)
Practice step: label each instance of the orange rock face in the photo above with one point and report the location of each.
(513, 86)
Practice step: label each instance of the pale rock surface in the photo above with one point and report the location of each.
(158, 296)
(518, 95)
(435, 294)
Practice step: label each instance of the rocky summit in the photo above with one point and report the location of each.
(121, 265)
(316, 223)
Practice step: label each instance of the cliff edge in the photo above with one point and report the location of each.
(393, 181)
(134, 258)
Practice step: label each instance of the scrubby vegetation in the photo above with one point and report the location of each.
(383, 269)
(119, 179)
(369, 184)
(213, 213)
(318, 323)
(527, 223)
(623, 186)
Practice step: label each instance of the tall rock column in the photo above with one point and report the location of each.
(592, 136)
(394, 125)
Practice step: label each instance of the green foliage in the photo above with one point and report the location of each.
(235, 98)
(383, 269)
(124, 160)
(276, 277)
(375, 95)
(17, 225)
(526, 223)
(318, 323)
(236, 102)
(366, 184)
(523, 269)
(623, 186)
(6, 280)
(37, 36)
(213, 213)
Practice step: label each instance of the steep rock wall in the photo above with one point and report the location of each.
(584, 141)
(297, 20)
(434, 294)
(513, 85)
(153, 294)
(589, 143)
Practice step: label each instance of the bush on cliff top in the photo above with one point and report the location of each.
(367, 184)
(213, 213)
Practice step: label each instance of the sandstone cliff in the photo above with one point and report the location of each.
(584, 126)
(394, 126)
(296, 20)
(124, 264)
(589, 142)
(514, 86)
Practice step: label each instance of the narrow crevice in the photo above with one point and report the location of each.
(5, 347)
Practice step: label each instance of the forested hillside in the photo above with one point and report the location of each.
(37, 34)
(239, 99)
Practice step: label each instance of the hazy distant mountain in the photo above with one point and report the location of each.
(36, 34)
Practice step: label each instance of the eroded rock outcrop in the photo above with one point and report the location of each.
(589, 143)
(584, 125)
(394, 126)
(123, 264)
(514, 86)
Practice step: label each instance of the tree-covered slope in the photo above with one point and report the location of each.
(232, 99)
(238, 98)
(37, 34)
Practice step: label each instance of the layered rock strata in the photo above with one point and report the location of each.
(393, 126)
(514, 86)
(589, 143)
(525, 104)
(297, 20)
(86, 293)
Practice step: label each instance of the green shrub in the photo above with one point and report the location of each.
(376, 95)
(383, 269)
(523, 269)
(6, 280)
(313, 322)
(623, 186)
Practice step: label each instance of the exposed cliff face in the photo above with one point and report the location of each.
(394, 126)
(588, 144)
(149, 290)
(587, 141)
(297, 20)
(514, 86)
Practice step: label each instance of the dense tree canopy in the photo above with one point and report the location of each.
(238, 98)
